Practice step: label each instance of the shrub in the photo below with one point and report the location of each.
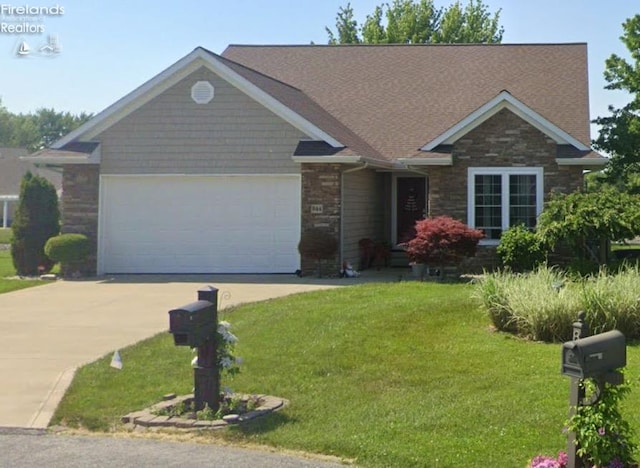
(612, 302)
(68, 248)
(317, 245)
(520, 249)
(442, 240)
(37, 218)
(538, 305)
(543, 304)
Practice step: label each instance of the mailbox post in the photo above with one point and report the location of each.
(576, 394)
(596, 357)
(195, 325)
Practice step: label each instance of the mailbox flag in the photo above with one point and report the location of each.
(116, 361)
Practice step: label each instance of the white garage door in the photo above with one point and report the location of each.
(199, 224)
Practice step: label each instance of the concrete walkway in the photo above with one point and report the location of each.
(48, 331)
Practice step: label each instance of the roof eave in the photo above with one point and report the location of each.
(439, 161)
(55, 157)
(328, 159)
(582, 162)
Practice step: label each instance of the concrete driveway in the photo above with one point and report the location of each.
(48, 331)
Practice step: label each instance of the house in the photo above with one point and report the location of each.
(220, 162)
(12, 170)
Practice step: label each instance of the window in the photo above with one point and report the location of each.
(500, 197)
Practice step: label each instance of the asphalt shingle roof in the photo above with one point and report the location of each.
(387, 101)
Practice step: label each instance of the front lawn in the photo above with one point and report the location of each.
(7, 270)
(5, 235)
(403, 374)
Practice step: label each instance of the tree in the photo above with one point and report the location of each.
(620, 131)
(37, 130)
(37, 218)
(473, 24)
(442, 240)
(347, 27)
(419, 22)
(583, 219)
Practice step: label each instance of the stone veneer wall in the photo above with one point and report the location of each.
(321, 185)
(80, 196)
(504, 140)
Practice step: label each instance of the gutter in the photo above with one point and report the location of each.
(327, 159)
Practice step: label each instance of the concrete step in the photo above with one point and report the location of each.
(399, 258)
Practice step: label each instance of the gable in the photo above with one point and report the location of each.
(172, 75)
(504, 101)
(171, 133)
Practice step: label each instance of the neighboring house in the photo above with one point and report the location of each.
(219, 163)
(12, 170)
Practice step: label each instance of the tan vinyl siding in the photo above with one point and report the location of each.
(172, 134)
(363, 211)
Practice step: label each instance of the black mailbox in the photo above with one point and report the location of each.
(595, 355)
(192, 324)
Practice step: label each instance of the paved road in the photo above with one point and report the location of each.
(20, 448)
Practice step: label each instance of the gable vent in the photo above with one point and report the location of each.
(202, 92)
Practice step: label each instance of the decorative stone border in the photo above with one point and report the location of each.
(146, 418)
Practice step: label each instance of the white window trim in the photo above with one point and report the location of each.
(502, 171)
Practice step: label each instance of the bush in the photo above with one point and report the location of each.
(442, 240)
(520, 249)
(543, 304)
(37, 218)
(538, 305)
(68, 248)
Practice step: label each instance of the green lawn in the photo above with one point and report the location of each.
(7, 270)
(404, 374)
(5, 235)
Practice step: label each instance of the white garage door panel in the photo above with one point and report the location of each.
(199, 224)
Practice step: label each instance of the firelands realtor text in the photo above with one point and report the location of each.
(26, 19)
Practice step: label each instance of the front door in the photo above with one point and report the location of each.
(411, 206)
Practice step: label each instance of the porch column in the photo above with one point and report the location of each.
(322, 208)
(6, 199)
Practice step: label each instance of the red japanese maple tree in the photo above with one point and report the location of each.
(442, 240)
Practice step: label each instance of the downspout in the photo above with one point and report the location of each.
(347, 171)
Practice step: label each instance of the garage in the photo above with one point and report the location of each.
(199, 224)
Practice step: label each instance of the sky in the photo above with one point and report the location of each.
(97, 51)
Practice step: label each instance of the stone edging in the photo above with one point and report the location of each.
(146, 419)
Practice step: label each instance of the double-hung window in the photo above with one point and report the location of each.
(500, 197)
